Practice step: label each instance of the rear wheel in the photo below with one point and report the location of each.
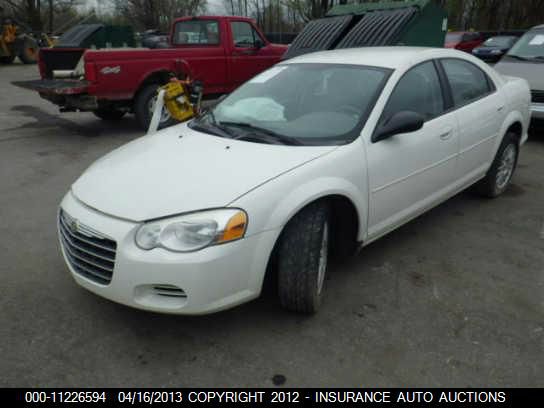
(7, 60)
(144, 107)
(109, 114)
(29, 52)
(502, 169)
(302, 259)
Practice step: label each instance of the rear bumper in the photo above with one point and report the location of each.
(55, 86)
(69, 94)
(537, 110)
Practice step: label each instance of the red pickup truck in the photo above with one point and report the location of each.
(222, 52)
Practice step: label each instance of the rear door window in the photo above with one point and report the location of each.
(468, 82)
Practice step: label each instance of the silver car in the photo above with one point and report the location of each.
(526, 60)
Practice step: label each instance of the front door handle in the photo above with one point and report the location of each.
(245, 52)
(500, 108)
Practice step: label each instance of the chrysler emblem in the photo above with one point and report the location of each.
(74, 225)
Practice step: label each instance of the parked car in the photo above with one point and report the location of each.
(526, 60)
(317, 156)
(222, 52)
(463, 40)
(494, 48)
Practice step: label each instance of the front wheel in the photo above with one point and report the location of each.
(302, 259)
(502, 169)
(29, 51)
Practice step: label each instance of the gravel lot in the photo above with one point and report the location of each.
(454, 298)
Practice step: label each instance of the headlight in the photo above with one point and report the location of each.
(191, 232)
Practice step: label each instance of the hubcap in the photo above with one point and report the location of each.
(506, 167)
(165, 115)
(323, 253)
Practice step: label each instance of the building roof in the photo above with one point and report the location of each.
(362, 8)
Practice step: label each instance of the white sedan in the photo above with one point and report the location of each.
(316, 157)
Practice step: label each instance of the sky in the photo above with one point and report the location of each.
(214, 6)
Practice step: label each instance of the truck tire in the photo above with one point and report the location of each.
(502, 169)
(302, 259)
(143, 108)
(7, 60)
(28, 53)
(109, 114)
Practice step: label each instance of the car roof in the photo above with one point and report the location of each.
(383, 57)
(538, 27)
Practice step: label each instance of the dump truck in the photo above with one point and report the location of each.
(410, 23)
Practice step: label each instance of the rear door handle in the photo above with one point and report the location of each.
(500, 108)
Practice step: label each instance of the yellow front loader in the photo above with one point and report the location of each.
(14, 42)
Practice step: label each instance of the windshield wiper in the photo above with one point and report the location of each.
(263, 132)
(517, 57)
(212, 127)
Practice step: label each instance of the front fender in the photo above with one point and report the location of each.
(273, 204)
(311, 191)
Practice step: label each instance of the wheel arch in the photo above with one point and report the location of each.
(513, 123)
(160, 77)
(347, 222)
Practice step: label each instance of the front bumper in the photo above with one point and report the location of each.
(537, 110)
(213, 279)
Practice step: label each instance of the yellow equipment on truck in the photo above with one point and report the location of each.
(181, 98)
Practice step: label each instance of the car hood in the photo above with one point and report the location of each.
(533, 72)
(179, 170)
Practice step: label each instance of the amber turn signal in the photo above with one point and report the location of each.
(235, 229)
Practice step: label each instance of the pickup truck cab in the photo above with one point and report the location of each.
(222, 52)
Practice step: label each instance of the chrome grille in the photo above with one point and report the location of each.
(89, 253)
(537, 96)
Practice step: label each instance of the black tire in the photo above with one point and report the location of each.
(299, 256)
(490, 186)
(7, 59)
(109, 114)
(141, 107)
(29, 51)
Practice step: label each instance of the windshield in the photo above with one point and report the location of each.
(500, 41)
(530, 46)
(308, 103)
(450, 38)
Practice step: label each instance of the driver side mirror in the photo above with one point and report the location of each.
(400, 122)
(258, 44)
